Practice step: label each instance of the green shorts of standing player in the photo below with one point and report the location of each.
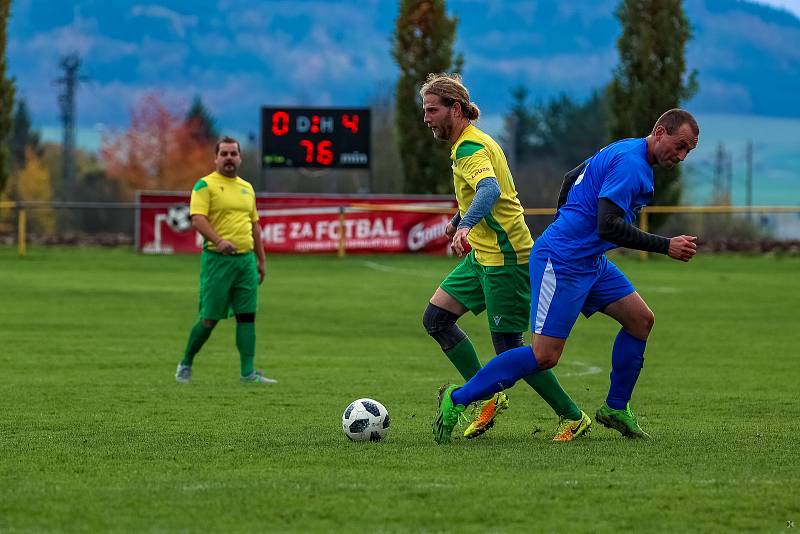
(504, 293)
(223, 210)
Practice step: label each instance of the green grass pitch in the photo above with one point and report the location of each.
(96, 435)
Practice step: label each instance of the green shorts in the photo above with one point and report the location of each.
(228, 285)
(503, 291)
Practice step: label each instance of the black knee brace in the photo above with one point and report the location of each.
(245, 317)
(504, 341)
(441, 326)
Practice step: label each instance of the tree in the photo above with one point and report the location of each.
(6, 95)
(32, 183)
(651, 76)
(158, 151)
(22, 137)
(549, 138)
(423, 43)
(200, 122)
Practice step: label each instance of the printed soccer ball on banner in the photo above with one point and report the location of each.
(179, 218)
(365, 419)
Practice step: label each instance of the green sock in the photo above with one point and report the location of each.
(546, 385)
(465, 358)
(198, 335)
(246, 343)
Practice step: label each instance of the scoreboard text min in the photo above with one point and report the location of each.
(315, 137)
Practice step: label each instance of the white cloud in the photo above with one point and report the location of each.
(793, 6)
(178, 22)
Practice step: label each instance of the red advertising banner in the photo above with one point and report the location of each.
(306, 223)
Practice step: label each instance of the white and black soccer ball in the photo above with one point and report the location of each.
(179, 218)
(365, 420)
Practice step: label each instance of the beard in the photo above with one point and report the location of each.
(441, 132)
(229, 168)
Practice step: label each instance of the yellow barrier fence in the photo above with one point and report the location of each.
(644, 222)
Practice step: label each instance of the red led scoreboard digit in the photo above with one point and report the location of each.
(315, 137)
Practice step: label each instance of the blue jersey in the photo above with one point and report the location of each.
(619, 172)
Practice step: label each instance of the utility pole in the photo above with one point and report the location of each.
(71, 65)
(719, 169)
(729, 177)
(749, 179)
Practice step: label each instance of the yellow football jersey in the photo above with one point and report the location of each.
(230, 205)
(502, 237)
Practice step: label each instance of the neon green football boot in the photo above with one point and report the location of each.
(447, 416)
(623, 421)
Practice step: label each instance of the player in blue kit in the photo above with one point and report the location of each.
(571, 275)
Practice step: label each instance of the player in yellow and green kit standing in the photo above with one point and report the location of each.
(223, 209)
(493, 276)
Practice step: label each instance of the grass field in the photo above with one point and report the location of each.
(96, 435)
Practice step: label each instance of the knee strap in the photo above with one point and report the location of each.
(504, 341)
(245, 317)
(441, 326)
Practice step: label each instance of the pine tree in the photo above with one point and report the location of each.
(6, 95)
(423, 43)
(651, 76)
(200, 122)
(22, 136)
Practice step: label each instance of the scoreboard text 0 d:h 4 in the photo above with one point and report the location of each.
(322, 138)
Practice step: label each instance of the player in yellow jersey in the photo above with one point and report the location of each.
(223, 209)
(489, 230)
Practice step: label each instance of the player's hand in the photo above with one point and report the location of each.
(262, 270)
(682, 247)
(225, 247)
(450, 231)
(460, 244)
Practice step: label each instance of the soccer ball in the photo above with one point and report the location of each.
(365, 419)
(179, 218)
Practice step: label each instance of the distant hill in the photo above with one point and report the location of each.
(315, 52)
(747, 55)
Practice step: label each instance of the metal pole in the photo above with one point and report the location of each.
(644, 226)
(749, 179)
(342, 237)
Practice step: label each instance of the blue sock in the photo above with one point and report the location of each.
(627, 360)
(501, 372)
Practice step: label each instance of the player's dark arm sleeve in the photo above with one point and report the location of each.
(456, 219)
(566, 185)
(486, 194)
(612, 227)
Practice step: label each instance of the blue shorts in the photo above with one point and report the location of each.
(560, 290)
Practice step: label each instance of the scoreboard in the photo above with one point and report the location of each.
(321, 138)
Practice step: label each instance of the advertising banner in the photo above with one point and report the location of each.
(307, 223)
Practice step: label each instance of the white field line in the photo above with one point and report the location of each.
(583, 368)
(399, 270)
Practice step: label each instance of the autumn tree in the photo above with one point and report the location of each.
(158, 152)
(32, 183)
(423, 43)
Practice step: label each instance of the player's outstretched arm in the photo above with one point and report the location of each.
(612, 227)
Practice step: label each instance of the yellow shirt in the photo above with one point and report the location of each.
(502, 237)
(230, 205)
